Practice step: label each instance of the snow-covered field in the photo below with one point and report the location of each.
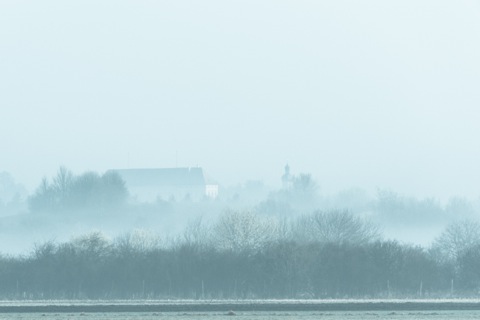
(112, 306)
(232, 301)
(342, 315)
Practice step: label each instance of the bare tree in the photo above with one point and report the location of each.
(139, 241)
(93, 244)
(43, 198)
(335, 227)
(86, 191)
(457, 238)
(62, 182)
(242, 231)
(197, 233)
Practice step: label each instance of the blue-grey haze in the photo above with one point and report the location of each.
(372, 94)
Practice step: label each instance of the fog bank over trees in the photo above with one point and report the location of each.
(243, 256)
(70, 204)
(83, 236)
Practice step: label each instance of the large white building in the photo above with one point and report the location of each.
(148, 185)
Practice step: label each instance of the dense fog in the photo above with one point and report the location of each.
(87, 236)
(234, 149)
(289, 243)
(69, 204)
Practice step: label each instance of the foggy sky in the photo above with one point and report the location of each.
(375, 94)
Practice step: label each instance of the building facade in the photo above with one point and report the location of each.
(179, 184)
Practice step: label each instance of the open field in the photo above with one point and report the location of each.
(224, 306)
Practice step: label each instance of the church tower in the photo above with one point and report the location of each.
(286, 178)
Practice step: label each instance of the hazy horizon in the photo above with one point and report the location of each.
(359, 94)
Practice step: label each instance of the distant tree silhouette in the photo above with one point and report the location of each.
(68, 192)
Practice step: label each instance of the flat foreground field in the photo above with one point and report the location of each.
(161, 306)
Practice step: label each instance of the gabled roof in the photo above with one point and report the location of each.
(162, 177)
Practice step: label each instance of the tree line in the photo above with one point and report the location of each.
(67, 192)
(244, 255)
